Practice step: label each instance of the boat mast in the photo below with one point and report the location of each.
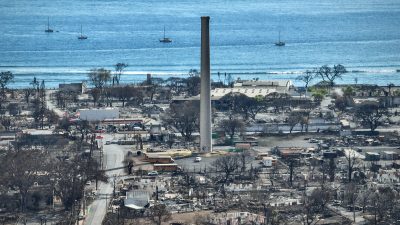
(279, 36)
(164, 32)
(81, 30)
(48, 23)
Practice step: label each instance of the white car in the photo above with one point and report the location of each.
(137, 128)
(197, 159)
(152, 173)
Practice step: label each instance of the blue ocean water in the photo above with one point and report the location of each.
(363, 35)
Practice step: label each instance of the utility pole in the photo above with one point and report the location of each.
(156, 192)
(265, 214)
(114, 177)
(106, 203)
(84, 203)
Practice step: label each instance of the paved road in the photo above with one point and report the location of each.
(348, 214)
(50, 104)
(113, 157)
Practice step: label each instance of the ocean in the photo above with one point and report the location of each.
(363, 35)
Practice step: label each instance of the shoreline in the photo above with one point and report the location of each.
(53, 81)
(296, 86)
(132, 75)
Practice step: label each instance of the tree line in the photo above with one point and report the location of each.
(53, 162)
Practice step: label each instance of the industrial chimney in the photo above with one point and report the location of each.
(205, 95)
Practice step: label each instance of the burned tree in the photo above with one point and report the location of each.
(6, 122)
(363, 198)
(351, 163)
(227, 165)
(193, 85)
(293, 119)
(119, 67)
(21, 169)
(239, 103)
(310, 210)
(95, 93)
(332, 169)
(328, 167)
(351, 196)
(184, 117)
(257, 104)
(306, 78)
(71, 176)
(330, 74)
(382, 202)
(371, 114)
(52, 117)
(292, 163)
(99, 77)
(27, 94)
(124, 94)
(244, 160)
(232, 126)
(279, 101)
(84, 128)
(159, 213)
(5, 79)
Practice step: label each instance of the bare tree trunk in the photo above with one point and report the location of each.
(291, 168)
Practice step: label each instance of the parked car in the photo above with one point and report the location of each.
(356, 208)
(152, 173)
(81, 217)
(137, 128)
(197, 159)
(336, 203)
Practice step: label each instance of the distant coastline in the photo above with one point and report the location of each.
(379, 76)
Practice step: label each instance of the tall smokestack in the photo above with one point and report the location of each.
(205, 91)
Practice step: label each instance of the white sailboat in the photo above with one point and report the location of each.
(165, 39)
(48, 30)
(82, 37)
(279, 42)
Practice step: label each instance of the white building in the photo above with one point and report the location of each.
(252, 88)
(268, 161)
(388, 176)
(389, 155)
(98, 114)
(237, 218)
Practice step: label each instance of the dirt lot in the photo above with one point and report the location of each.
(187, 218)
(289, 140)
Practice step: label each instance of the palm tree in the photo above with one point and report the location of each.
(390, 86)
